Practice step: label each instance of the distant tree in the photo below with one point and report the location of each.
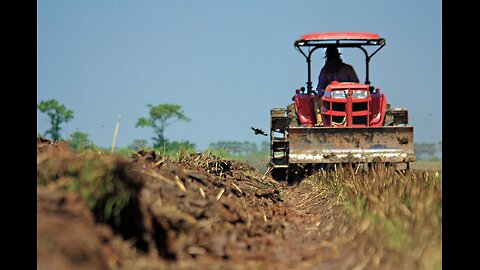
(249, 147)
(160, 117)
(175, 146)
(234, 147)
(58, 114)
(426, 150)
(79, 141)
(265, 147)
(137, 145)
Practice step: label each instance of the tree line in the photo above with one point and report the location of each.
(159, 118)
(428, 151)
(162, 116)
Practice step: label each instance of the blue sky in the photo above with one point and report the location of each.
(225, 62)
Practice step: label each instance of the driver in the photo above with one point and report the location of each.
(334, 70)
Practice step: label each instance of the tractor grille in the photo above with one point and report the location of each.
(360, 120)
(339, 107)
(359, 106)
(348, 107)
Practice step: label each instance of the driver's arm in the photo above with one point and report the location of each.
(322, 83)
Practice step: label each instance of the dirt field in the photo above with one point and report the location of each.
(98, 211)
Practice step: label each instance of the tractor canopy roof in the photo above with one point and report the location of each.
(340, 39)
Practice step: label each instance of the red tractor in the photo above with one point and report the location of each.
(358, 126)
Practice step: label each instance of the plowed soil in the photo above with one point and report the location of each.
(197, 212)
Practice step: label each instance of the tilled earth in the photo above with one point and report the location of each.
(197, 212)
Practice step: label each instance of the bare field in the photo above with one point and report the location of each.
(199, 211)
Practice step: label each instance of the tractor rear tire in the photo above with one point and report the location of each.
(279, 174)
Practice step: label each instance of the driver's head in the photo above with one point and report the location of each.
(332, 52)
